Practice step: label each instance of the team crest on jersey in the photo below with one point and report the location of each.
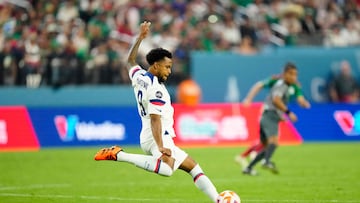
(158, 94)
(291, 90)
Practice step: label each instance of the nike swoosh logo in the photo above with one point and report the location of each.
(158, 110)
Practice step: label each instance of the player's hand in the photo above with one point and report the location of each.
(303, 102)
(165, 151)
(306, 104)
(144, 29)
(292, 117)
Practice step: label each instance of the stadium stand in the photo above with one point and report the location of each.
(76, 42)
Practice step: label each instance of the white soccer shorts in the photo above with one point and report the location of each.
(178, 154)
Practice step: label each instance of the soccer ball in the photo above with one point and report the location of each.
(228, 196)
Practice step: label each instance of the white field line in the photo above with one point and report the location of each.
(35, 186)
(91, 197)
(52, 196)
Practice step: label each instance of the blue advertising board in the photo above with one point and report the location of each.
(85, 126)
(89, 126)
(329, 122)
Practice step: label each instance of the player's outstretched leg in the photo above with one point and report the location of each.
(200, 179)
(146, 162)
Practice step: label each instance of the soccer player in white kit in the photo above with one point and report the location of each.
(154, 107)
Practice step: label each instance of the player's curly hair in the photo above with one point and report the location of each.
(157, 54)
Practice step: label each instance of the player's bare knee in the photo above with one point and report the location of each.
(272, 140)
(188, 164)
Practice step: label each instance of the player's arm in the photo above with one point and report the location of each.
(156, 110)
(279, 104)
(303, 102)
(255, 89)
(300, 99)
(144, 30)
(156, 130)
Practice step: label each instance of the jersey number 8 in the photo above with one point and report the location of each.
(142, 109)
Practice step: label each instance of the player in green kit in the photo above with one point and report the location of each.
(268, 83)
(275, 110)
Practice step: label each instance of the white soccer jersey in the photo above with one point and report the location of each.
(152, 98)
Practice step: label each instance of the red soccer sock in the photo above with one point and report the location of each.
(249, 150)
(259, 147)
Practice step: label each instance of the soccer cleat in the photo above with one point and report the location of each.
(249, 171)
(271, 166)
(108, 153)
(242, 161)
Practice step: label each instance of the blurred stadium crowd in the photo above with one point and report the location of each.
(53, 42)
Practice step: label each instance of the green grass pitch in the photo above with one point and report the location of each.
(309, 173)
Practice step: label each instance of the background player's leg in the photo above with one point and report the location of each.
(200, 179)
(249, 150)
(259, 147)
(270, 149)
(242, 158)
(258, 158)
(271, 128)
(249, 169)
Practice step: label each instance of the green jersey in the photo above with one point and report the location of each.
(270, 82)
(278, 87)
